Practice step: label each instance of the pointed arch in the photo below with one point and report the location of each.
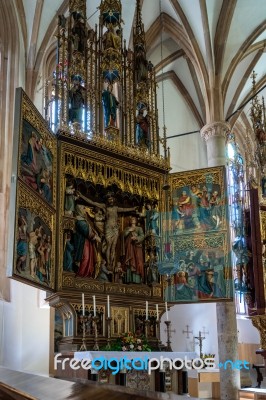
(178, 34)
(47, 37)
(243, 81)
(222, 32)
(239, 55)
(181, 88)
(194, 44)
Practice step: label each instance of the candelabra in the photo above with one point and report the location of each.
(95, 328)
(168, 347)
(84, 319)
(108, 346)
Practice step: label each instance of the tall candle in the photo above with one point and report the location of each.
(166, 310)
(83, 305)
(147, 308)
(94, 305)
(157, 312)
(108, 306)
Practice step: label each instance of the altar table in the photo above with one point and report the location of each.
(161, 381)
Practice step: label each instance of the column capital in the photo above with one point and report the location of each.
(218, 128)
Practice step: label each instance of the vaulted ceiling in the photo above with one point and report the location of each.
(205, 50)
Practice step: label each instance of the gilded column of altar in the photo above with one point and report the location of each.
(215, 136)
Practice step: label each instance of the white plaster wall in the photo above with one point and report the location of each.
(187, 152)
(24, 335)
(247, 333)
(196, 316)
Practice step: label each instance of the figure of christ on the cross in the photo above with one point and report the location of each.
(200, 339)
(111, 228)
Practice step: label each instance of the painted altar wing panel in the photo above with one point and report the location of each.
(197, 232)
(31, 247)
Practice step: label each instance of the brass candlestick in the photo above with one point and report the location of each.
(168, 347)
(95, 328)
(108, 346)
(84, 319)
(159, 343)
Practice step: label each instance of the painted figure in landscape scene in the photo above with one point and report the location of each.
(34, 246)
(36, 162)
(200, 275)
(197, 208)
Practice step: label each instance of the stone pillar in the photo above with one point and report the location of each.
(215, 137)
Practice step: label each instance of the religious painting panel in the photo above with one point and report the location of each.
(203, 269)
(34, 250)
(36, 152)
(195, 257)
(199, 201)
(32, 217)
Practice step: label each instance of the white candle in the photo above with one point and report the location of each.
(157, 312)
(94, 306)
(83, 305)
(147, 311)
(166, 310)
(108, 306)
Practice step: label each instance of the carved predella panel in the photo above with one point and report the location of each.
(119, 323)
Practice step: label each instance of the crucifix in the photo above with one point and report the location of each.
(200, 339)
(187, 331)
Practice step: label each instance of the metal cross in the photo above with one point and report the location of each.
(187, 331)
(170, 331)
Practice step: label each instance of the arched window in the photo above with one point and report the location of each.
(236, 194)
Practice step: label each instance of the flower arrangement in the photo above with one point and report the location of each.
(130, 342)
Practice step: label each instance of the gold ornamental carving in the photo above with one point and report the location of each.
(259, 321)
(28, 199)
